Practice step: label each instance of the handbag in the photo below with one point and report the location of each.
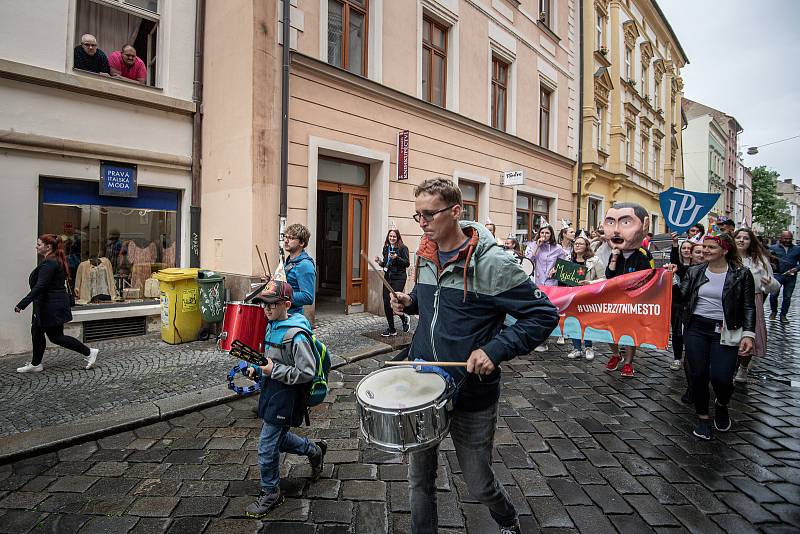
(71, 292)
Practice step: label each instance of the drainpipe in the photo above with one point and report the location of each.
(197, 135)
(284, 122)
(580, 116)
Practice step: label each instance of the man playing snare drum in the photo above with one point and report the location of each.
(465, 286)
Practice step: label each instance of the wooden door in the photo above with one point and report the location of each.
(357, 241)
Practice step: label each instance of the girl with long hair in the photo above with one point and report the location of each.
(566, 237)
(395, 261)
(51, 304)
(582, 255)
(756, 258)
(543, 252)
(718, 310)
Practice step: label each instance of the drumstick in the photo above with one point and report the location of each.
(436, 364)
(262, 261)
(269, 269)
(380, 274)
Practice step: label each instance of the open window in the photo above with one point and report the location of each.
(115, 23)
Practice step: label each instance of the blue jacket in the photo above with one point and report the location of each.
(462, 305)
(282, 400)
(787, 259)
(302, 276)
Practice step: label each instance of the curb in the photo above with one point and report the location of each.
(48, 439)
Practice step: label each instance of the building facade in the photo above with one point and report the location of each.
(73, 141)
(791, 194)
(465, 89)
(631, 115)
(744, 194)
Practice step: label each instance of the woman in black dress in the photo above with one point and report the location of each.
(394, 262)
(51, 304)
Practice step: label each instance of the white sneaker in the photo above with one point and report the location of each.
(30, 368)
(588, 354)
(560, 340)
(574, 354)
(675, 365)
(91, 358)
(541, 348)
(741, 374)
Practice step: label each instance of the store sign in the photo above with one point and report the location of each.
(118, 180)
(402, 155)
(514, 178)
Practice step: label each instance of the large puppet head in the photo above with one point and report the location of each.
(625, 225)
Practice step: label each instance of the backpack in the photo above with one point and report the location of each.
(318, 387)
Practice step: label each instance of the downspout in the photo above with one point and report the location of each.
(284, 122)
(197, 135)
(580, 117)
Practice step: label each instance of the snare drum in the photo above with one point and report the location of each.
(402, 410)
(527, 265)
(245, 322)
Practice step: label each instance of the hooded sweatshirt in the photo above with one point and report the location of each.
(462, 305)
(302, 276)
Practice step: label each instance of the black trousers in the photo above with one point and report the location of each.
(398, 284)
(677, 330)
(56, 335)
(709, 362)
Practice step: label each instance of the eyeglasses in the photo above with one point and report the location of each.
(271, 306)
(289, 237)
(429, 215)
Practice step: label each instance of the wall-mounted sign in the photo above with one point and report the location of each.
(118, 179)
(402, 155)
(514, 178)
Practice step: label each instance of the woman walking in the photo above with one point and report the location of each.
(394, 262)
(756, 258)
(719, 326)
(544, 252)
(582, 255)
(51, 304)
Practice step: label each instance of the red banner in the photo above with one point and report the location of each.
(632, 309)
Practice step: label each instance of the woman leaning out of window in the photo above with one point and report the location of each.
(719, 323)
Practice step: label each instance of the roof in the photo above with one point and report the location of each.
(671, 31)
(696, 109)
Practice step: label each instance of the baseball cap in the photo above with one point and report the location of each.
(276, 291)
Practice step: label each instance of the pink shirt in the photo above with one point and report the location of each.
(137, 72)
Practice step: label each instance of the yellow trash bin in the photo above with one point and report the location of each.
(181, 320)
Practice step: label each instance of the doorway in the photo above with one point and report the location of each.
(342, 220)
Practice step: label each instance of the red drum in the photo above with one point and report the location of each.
(245, 322)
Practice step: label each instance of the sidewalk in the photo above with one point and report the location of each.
(139, 380)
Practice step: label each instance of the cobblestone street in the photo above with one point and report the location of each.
(578, 450)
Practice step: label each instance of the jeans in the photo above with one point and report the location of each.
(273, 441)
(709, 361)
(398, 284)
(56, 335)
(473, 437)
(576, 344)
(787, 283)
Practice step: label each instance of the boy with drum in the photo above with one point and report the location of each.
(465, 286)
(284, 385)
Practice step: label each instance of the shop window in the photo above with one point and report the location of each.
(116, 23)
(531, 210)
(499, 93)
(347, 35)
(113, 244)
(469, 199)
(545, 97)
(434, 62)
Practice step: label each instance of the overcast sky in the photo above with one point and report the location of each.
(744, 60)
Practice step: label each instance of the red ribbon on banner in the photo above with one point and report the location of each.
(633, 308)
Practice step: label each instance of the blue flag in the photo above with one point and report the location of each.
(682, 209)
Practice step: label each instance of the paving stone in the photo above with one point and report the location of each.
(565, 449)
(601, 458)
(113, 486)
(663, 491)
(185, 472)
(590, 519)
(292, 510)
(185, 456)
(64, 503)
(694, 520)
(568, 492)
(324, 511)
(630, 523)
(531, 483)
(226, 443)
(393, 472)
(363, 490)
(399, 497)
(621, 480)
(108, 469)
(109, 525)
(788, 513)
(16, 521)
(651, 511)
(153, 487)
(478, 519)
(39, 483)
(234, 526)
(790, 492)
(585, 473)
(748, 508)
(73, 484)
(113, 505)
(188, 525)
(324, 489)
(23, 499)
(754, 490)
(357, 472)
(204, 506)
(151, 525)
(60, 524)
(671, 472)
(549, 464)
(78, 452)
(226, 472)
(153, 506)
(734, 523)
(549, 512)
(608, 500)
(371, 518)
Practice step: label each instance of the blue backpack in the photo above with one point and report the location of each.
(318, 387)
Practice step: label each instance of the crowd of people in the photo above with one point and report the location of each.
(123, 64)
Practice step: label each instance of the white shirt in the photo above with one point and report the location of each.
(709, 296)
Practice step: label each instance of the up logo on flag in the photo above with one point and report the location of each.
(682, 209)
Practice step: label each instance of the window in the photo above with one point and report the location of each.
(601, 119)
(499, 93)
(347, 35)
(628, 147)
(530, 212)
(628, 71)
(116, 23)
(600, 26)
(657, 163)
(593, 213)
(544, 12)
(645, 80)
(643, 150)
(113, 244)
(434, 62)
(544, 116)
(657, 93)
(469, 198)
